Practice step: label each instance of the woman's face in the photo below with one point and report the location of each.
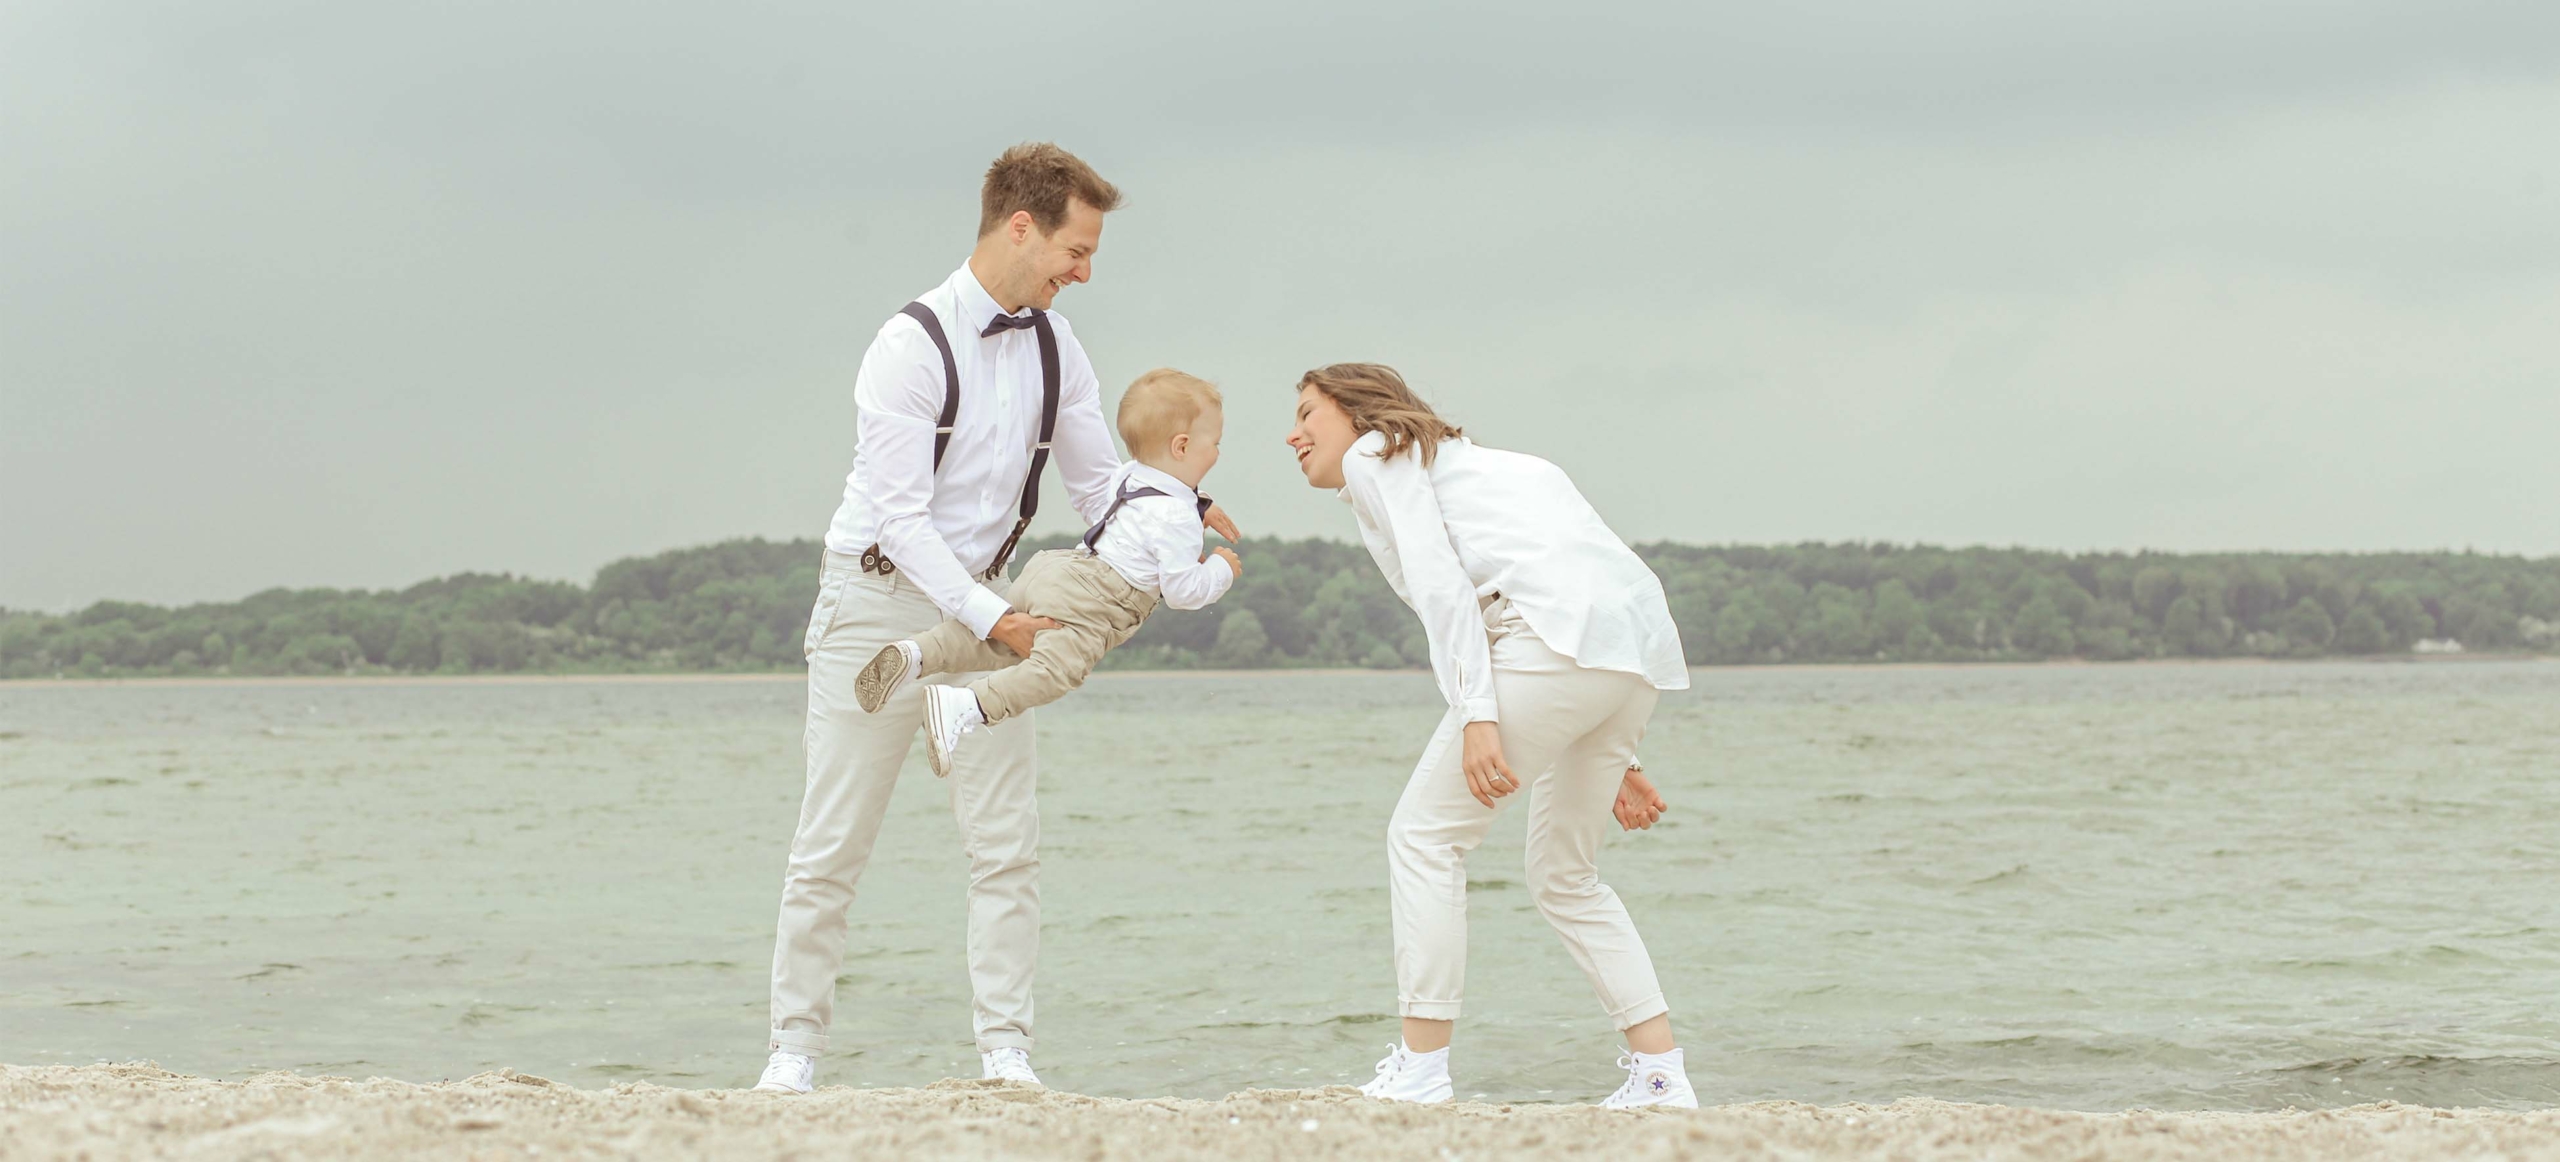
(1324, 433)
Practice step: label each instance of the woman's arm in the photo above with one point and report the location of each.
(1398, 498)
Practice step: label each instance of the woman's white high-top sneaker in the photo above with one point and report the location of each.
(1012, 1065)
(788, 1072)
(1405, 1075)
(1653, 1079)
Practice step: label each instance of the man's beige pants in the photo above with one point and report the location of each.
(1096, 608)
(853, 761)
(1568, 734)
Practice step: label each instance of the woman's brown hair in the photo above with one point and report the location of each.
(1377, 400)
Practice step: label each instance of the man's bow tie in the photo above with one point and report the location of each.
(1011, 323)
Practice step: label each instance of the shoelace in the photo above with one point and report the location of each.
(1008, 1060)
(1393, 1062)
(780, 1069)
(1634, 1084)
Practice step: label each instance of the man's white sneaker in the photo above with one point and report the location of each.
(1653, 1079)
(788, 1072)
(1012, 1065)
(895, 665)
(949, 712)
(1408, 1076)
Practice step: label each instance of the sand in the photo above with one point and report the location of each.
(139, 1111)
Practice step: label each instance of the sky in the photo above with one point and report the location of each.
(356, 294)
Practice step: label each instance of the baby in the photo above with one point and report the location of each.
(1146, 548)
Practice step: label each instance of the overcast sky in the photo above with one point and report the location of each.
(356, 294)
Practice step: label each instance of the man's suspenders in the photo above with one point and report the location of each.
(873, 559)
(950, 377)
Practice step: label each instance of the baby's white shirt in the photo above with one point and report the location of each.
(1154, 542)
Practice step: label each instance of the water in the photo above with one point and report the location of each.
(2232, 887)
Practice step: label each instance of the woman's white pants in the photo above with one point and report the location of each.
(1568, 734)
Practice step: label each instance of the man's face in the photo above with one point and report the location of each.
(1051, 262)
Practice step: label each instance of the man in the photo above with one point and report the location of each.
(942, 486)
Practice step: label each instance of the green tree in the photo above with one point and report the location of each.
(2189, 630)
(2363, 632)
(2307, 626)
(1241, 641)
(2040, 629)
(2153, 589)
(413, 648)
(1838, 625)
(1898, 612)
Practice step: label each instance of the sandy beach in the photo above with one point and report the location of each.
(140, 1111)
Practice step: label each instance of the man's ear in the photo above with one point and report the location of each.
(1019, 226)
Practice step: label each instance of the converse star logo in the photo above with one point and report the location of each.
(1660, 1083)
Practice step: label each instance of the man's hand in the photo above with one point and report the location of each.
(1488, 776)
(1227, 555)
(1639, 805)
(1014, 631)
(1220, 523)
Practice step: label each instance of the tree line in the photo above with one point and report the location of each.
(743, 605)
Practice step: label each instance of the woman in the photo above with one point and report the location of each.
(1551, 640)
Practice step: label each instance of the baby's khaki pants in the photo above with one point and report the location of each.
(1095, 607)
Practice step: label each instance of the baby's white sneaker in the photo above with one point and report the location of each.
(949, 712)
(1653, 1079)
(1404, 1075)
(1012, 1065)
(788, 1072)
(897, 664)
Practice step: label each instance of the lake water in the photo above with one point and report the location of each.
(2233, 887)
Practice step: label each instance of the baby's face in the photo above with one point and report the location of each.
(1200, 454)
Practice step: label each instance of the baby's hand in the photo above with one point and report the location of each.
(1229, 556)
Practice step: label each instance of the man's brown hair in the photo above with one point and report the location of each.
(1377, 400)
(1041, 178)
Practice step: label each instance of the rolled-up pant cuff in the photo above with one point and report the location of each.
(1428, 1010)
(1003, 1039)
(798, 1041)
(1639, 1012)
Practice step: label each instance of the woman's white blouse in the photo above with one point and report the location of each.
(1481, 521)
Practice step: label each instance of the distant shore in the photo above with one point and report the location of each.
(128, 1111)
(795, 676)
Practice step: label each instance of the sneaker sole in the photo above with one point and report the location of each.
(1666, 1103)
(1434, 1100)
(936, 753)
(880, 679)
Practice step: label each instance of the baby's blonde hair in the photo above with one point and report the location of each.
(1162, 404)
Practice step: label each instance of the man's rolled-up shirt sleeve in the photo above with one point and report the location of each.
(897, 404)
(1087, 460)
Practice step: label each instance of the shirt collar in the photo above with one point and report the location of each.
(1156, 478)
(1370, 443)
(977, 307)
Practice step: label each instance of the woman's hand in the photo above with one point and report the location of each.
(1488, 777)
(1220, 523)
(1639, 805)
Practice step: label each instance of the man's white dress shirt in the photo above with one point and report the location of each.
(943, 531)
(1154, 542)
(1482, 521)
